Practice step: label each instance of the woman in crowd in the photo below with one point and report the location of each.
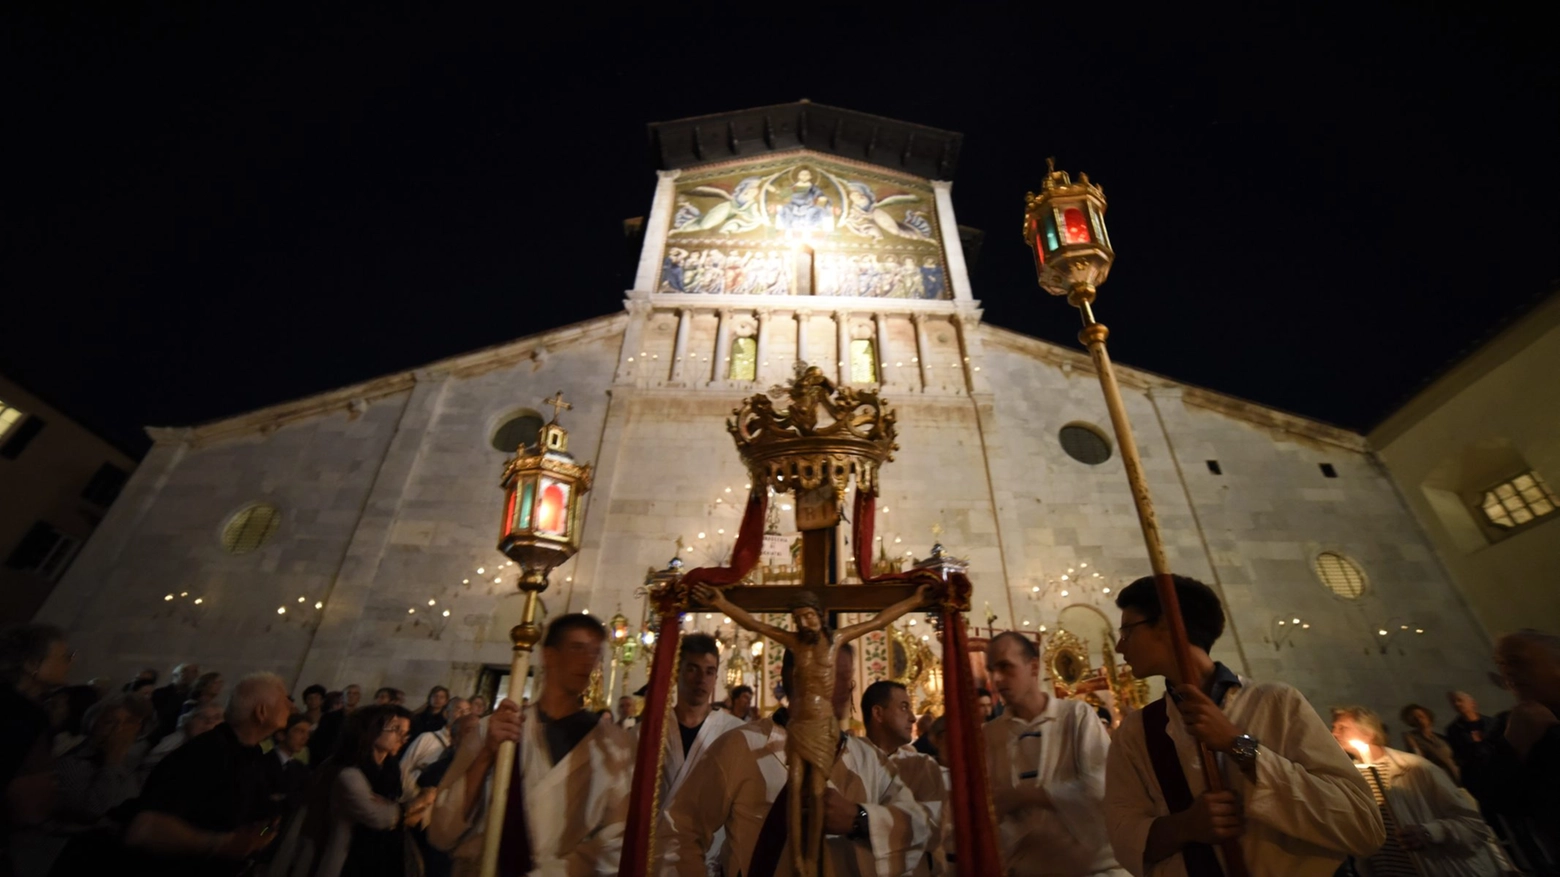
(365, 829)
(206, 690)
(431, 716)
(1422, 740)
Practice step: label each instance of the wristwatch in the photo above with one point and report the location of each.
(1244, 750)
(859, 829)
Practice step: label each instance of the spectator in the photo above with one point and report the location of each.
(67, 708)
(384, 696)
(436, 862)
(923, 740)
(479, 705)
(100, 774)
(207, 689)
(352, 698)
(1433, 829)
(431, 716)
(206, 809)
(1421, 739)
(1524, 770)
(168, 700)
(191, 725)
(143, 688)
(289, 774)
(147, 675)
(367, 834)
(741, 700)
(328, 732)
(628, 712)
(34, 658)
(1469, 736)
(314, 703)
(429, 746)
(987, 705)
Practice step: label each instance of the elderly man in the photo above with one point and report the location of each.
(1046, 759)
(889, 720)
(429, 746)
(575, 768)
(873, 824)
(1293, 799)
(206, 809)
(1433, 828)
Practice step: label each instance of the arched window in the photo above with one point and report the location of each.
(1085, 443)
(518, 430)
(1340, 575)
(744, 359)
(250, 528)
(863, 361)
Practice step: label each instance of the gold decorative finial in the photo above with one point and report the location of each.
(558, 405)
(937, 530)
(1050, 164)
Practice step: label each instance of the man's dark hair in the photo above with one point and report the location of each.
(573, 621)
(877, 694)
(23, 644)
(1200, 607)
(1407, 715)
(314, 689)
(387, 691)
(1025, 644)
(356, 748)
(981, 692)
(139, 684)
(294, 719)
(788, 666)
(697, 644)
(738, 692)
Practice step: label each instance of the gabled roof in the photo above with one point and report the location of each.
(929, 153)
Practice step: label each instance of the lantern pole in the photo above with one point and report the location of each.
(524, 637)
(1065, 225)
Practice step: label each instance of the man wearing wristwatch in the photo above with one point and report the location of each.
(873, 825)
(1295, 801)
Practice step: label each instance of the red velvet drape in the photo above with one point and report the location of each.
(974, 825)
(745, 555)
(638, 832)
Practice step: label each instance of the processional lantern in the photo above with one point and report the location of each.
(1064, 223)
(543, 490)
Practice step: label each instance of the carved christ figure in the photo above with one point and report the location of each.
(812, 733)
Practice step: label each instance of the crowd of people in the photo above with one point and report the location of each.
(199, 777)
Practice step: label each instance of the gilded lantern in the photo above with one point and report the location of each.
(1065, 226)
(543, 489)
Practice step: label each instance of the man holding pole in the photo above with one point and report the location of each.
(573, 772)
(1294, 801)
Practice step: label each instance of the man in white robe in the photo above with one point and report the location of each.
(1046, 760)
(1291, 796)
(889, 720)
(873, 825)
(1433, 828)
(576, 767)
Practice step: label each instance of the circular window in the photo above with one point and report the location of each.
(1085, 444)
(1341, 575)
(250, 528)
(518, 430)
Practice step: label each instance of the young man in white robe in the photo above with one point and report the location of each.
(576, 767)
(1433, 828)
(1292, 798)
(873, 825)
(1046, 760)
(889, 722)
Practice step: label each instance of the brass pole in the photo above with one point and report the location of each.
(1093, 336)
(524, 636)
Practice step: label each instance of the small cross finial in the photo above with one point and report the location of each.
(937, 531)
(558, 405)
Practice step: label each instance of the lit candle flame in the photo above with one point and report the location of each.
(1363, 747)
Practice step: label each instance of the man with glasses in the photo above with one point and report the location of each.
(1046, 759)
(1292, 798)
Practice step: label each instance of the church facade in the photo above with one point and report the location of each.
(349, 537)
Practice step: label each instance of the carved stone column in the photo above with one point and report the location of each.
(761, 356)
(881, 319)
(680, 346)
(722, 346)
(921, 348)
(803, 317)
(842, 345)
(633, 336)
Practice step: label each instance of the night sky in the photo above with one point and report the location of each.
(210, 210)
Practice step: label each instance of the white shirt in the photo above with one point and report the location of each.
(1420, 793)
(1306, 810)
(736, 783)
(928, 782)
(575, 808)
(1063, 751)
(423, 751)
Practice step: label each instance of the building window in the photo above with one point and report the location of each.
(251, 528)
(1328, 471)
(19, 436)
(45, 551)
(744, 359)
(9, 417)
(1518, 502)
(104, 487)
(1341, 575)
(863, 361)
(1085, 444)
(1215, 468)
(518, 431)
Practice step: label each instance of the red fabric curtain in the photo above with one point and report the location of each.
(974, 822)
(638, 833)
(749, 548)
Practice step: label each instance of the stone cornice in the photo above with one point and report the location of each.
(1146, 382)
(352, 400)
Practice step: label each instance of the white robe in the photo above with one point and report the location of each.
(1307, 807)
(736, 783)
(1068, 838)
(575, 809)
(1420, 793)
(677, 766)
(928, 782)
